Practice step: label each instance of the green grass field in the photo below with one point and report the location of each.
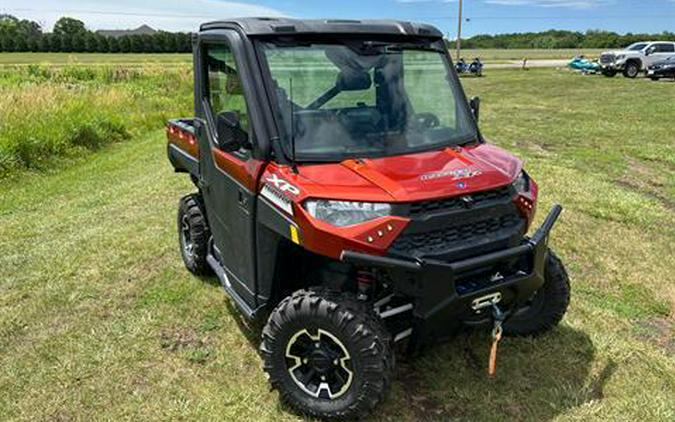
(131, 59)
(127, 59)
(100, 321)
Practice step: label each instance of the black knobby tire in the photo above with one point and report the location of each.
(359, 331)
(610, 73)
(547, 307)
(632, 70)
(654, 78)
(193, 234)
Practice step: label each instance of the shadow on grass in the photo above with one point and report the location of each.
(537, 379)
(252, 330)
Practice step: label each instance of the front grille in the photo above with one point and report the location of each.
(461, 226)
(459, 236)
(459, 202)
(607, 58)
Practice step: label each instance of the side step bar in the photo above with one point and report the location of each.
(249, 312)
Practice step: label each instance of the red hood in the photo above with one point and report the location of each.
(411, 177)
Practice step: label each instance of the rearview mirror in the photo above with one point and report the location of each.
(474, 103)
(231, 137)
(353, 81)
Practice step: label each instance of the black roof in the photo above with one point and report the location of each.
(281, 26)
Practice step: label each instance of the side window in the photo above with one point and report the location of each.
(223, 87)
(665, 48)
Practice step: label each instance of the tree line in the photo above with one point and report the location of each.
(71, 35)
(561, 39)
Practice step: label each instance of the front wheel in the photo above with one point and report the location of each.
(610, 73)
(632, 70)
(327, 354)
(547, 307)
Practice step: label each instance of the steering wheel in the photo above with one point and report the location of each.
(426, 120)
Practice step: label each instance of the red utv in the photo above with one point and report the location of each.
(346, 195)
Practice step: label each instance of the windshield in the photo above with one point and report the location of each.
(366, 99)
(637, 46)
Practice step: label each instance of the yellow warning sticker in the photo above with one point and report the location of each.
(294, 235)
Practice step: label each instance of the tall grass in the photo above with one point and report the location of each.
(48, 113)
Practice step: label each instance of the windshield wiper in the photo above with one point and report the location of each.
(384, 47)
(398, 47)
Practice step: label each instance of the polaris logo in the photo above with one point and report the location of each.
(463, 173)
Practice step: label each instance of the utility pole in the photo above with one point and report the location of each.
(459, 31)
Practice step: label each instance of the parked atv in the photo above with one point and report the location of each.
(584, 65)
(475, 68)
(346, 196)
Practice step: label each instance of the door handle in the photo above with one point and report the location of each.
(242, 199)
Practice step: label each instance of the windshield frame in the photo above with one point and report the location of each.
(425, 44)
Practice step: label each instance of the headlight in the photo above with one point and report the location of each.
(345, 213)
(522, 182)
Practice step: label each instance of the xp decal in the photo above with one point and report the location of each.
(283, 185)
(277, 198)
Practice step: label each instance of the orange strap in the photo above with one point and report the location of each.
(492, 364)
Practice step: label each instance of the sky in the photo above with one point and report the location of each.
(481, 16)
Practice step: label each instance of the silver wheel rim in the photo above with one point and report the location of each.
(320, 364)
(186, 237)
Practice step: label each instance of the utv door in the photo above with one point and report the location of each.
(228, 178)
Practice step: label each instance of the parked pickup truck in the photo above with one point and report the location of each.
(635, 58)
(346, 198)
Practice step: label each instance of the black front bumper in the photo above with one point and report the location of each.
(440, 308)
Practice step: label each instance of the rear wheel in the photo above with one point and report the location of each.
(632, 70)
(654, 78)
(327, 354)
(547, 307)
(193, 234)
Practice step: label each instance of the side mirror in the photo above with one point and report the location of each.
(474, 103)
(231, 137)
(650, 51)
